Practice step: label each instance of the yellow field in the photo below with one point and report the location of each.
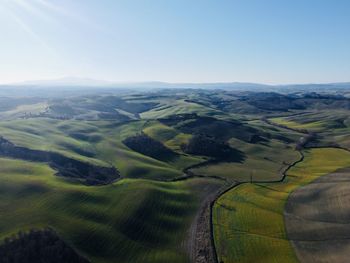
(316, 125)
(248, 220)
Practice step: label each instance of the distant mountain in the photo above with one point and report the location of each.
(86, 82)
(71, 82)
(316, 87)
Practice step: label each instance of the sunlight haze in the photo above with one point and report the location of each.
(175, 41)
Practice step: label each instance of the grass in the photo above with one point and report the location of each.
(53, 135)
(101, 142)
(263, 162)
(24, 110)
(179, 106)
(159, 131)
(319, 121)
(98, 142)
(332, 126)
(248, 220)
(314, 126)
(142, 218)
(173, 139)
(129, 221)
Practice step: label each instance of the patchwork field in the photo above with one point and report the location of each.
(249, 221)
(332, 127)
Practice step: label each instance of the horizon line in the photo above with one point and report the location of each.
(120, 82)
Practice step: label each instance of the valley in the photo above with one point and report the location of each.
(178, 175)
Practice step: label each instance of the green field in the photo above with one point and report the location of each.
(99, 142)
(129, 221)
(315, 126)
(319, 121)
(332, 126)
(180, 106)
(248, 220)
(150, 214)
(263, 162)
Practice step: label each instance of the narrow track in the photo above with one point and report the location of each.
(285, 169)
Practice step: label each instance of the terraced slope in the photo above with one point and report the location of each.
(317, 219)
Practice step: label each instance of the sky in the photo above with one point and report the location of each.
(263, 41)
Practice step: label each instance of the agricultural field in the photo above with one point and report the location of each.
(332, 126)
(249, 222)
(140, 176)
(128, 221)
(174, 131)
(316, 217)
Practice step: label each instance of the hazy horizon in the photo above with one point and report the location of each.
(92, 81)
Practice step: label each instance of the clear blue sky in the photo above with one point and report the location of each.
(268, 41)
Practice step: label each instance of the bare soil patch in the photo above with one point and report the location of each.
(317, 218)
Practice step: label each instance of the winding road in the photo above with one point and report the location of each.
(307, 240)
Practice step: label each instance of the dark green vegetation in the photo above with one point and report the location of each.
(147, 146)
(65, 166)
(211, 147)
(212, 127)
(38, 246)
(138, 171)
